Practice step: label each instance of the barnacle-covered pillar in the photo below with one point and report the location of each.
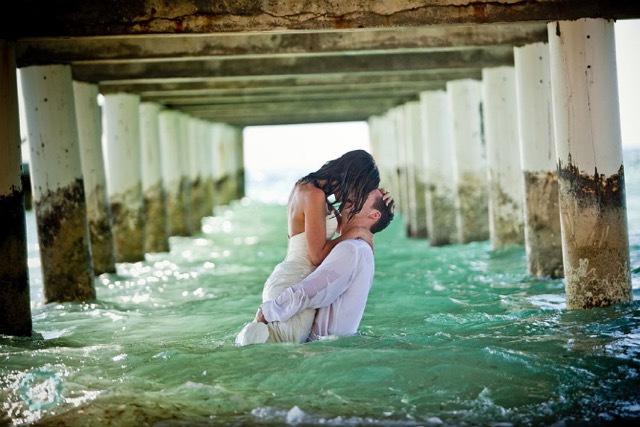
(89, 120)
(472, 208)
(542, 235)
(506, 194)
(15, 304)
(155, 216)
(206, 168)
(58, 187)
(439, 167)
(186, 187)
(124, 178)
(595, 237)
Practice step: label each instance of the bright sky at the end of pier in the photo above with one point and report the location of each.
(308, 146)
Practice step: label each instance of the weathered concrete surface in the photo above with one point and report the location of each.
(472, 210)
(188, 16)
(155, 215)
(542, 227)
(15, 302)
(127, 209)
(64, 244)
(595, 235)
(100, 232)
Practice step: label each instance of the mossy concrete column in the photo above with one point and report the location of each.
(171, 172)
(58, 187)
(439, 167)
(408, 163)
(194, 145)
(15, 303)
(506, 193)
(124, 176)
(404, 197)
(184, 156)
(381, 133)
(472, 203)
(542, 234)
(418, 173)
(155, 215)
(89, 119)
(595, 236)
(240, 184)
(206, 168)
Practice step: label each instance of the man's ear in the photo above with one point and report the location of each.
(374, 214)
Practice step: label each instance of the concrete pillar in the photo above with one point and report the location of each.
(416, 169)
(89, 121)
(194, 143)
(155, 213)
(381, 132)
(217, 166)
(124, 176)
(543, 240)
(472, 205)
(439, 167)
(408, 166)
(206, 168)
(239, 162)
(404, 198)
(58, 187)
(506, 194)
(184, 156)
(595, 237)
(15, 301)
(171, 172)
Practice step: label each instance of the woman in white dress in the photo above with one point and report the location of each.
(314, 218)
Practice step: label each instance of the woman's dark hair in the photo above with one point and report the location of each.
(350, 177)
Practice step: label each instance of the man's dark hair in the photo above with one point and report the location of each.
(386, 215)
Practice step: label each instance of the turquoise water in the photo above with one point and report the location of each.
(452, 336)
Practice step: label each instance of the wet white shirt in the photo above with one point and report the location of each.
(338, 288)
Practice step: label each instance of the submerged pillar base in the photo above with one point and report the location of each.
(595, 238)
(64, 245)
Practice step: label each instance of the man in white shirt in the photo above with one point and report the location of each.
(339, 287)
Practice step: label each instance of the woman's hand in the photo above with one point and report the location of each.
(387, 198)
(260, 317)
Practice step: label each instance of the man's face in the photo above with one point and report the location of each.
(367, 208)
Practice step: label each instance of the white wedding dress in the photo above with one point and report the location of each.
(295, 267)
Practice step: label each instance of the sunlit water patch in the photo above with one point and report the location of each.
(452, 336)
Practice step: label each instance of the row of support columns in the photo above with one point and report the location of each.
(110, 182)
(529, 155)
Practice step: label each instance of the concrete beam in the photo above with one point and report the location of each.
(180, 46)
(34, 18)
(98, 71)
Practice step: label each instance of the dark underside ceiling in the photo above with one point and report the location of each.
(289, 61)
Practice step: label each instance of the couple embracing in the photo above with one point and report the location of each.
(321, 287)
